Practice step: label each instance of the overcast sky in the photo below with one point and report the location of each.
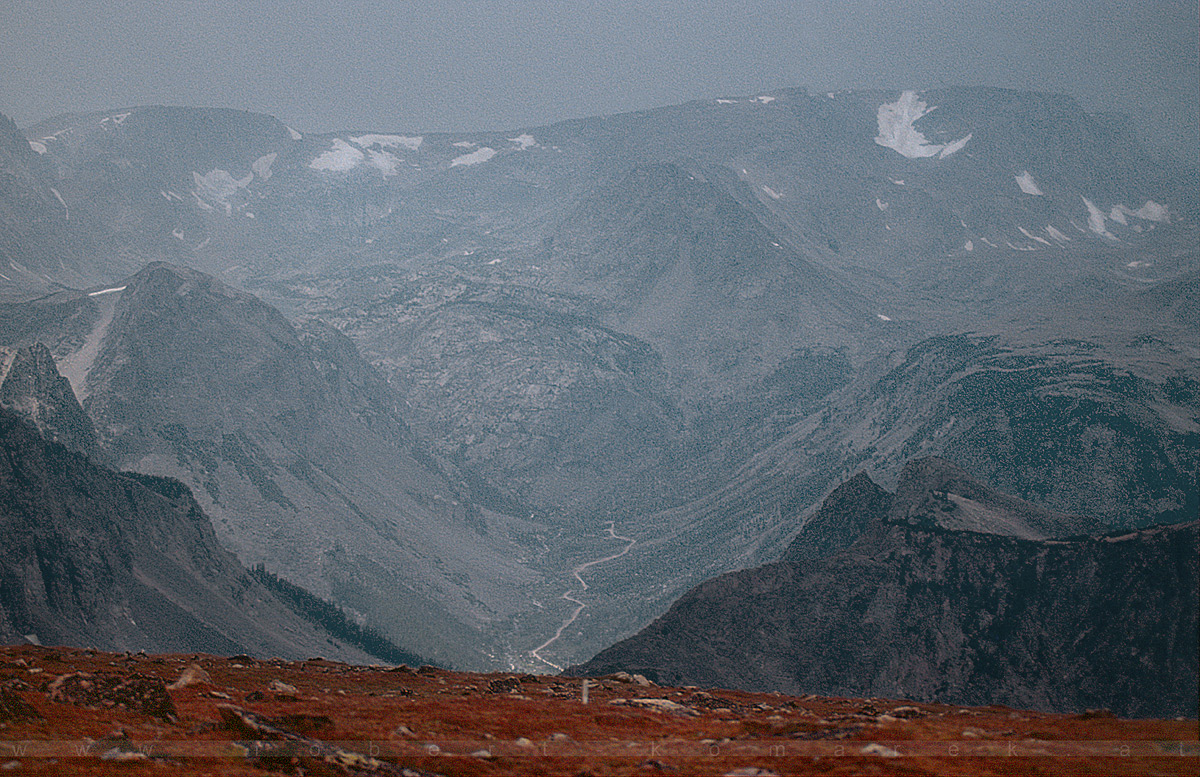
(434, 65)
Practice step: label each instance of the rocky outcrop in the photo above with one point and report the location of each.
(96, 558)
(915, 610)
(31, 387)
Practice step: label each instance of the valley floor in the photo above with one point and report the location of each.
(68, 711)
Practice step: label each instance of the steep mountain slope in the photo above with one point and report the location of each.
(296, 449)
(125, 562)
(1099, 419)
(913, 609)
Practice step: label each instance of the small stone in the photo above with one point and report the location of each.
(403, 731)
(880, 750)
(640, 679)
(193, 675)
(484, 754)
(1096, 714)
(524, 742)
(559, 737)
(8, 767)
(220, 695)
(885, 718)
(279, 686)
(122, 756)
(655, 765)
(664, 705)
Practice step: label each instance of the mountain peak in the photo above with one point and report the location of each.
(842, 518)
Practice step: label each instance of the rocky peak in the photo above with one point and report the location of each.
(842, 518)
(32, 387)
(12, 140)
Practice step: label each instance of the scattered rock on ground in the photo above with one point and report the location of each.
(147, 695)
(193, 675)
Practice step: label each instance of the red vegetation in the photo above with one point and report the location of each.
(71, 711)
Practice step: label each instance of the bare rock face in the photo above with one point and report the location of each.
(31, 386)
(913, 609)
(125, 562)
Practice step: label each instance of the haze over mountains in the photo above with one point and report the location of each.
(465, 354)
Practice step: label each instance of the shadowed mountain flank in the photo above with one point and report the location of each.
(917, 606)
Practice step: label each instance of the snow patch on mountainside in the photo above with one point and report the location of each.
(389, 141)
(62, 202)
(1096, 219)
(957, 145)
(474, 158)
(1032, 236)
(295, 135)
(1057, 235)
(262, 165)
(523, 141)
(1151, 211)
(386, 163)
(896, 129)
(37, 146)
(339, 158)
(1027, 184)
(217, 186)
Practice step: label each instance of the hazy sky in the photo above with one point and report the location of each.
(432, 65)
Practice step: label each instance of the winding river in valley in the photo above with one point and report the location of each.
(569, 595)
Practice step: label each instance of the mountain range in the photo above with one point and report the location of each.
(420, 374)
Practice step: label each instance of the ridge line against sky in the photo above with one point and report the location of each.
(472, 65)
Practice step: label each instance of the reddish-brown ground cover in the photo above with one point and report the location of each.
(65, 710)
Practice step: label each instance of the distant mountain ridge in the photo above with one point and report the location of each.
(915, 606)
